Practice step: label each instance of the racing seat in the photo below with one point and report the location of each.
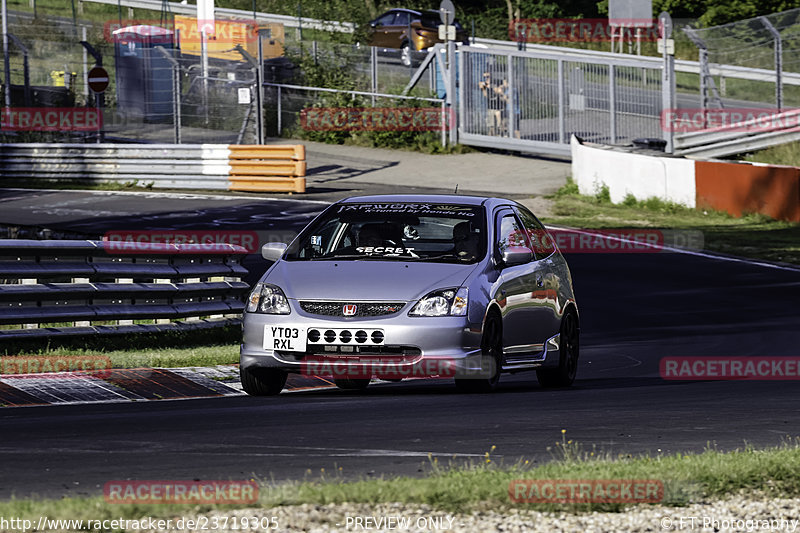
(465, 241)
(380, 234)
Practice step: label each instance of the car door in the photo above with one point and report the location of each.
(381, 30)
(397, 33)
(547, 291)
(524, 313)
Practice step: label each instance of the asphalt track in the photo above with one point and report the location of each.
(635, 309)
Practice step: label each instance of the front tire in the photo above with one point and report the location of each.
(491, 358)
(352, 384)
(262, 381)
(564, 375)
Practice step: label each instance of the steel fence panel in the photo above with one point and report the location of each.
(553, 96)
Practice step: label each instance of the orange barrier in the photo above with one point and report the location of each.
(267, 168)
(740, 188)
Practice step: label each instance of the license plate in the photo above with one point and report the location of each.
(283, 338)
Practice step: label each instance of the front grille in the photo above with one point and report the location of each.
(397, 353)
(362, 309)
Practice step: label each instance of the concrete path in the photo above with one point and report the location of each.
(501, 175)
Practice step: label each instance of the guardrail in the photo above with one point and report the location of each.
(173, 166)
(681, 65)
(746, 136)
(183, 9)
(72, 287)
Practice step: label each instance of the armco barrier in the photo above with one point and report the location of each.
(173, 166)
(733, 187)
(50, 288)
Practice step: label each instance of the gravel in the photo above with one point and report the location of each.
(741, 513)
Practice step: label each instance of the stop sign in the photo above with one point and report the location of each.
(98, 79)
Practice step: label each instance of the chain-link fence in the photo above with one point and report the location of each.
(380, 70)
(156, 91)
(768, 50)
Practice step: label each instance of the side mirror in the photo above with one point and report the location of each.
(272, 251)
(373, 24)
(517, 255)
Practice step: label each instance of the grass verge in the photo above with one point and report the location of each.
(168, 349)
(782, 154)
(753, 235)
(461, 487)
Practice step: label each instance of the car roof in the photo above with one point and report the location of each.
(396, 9)
(430, 198)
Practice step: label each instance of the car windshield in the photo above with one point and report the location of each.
(424, 232)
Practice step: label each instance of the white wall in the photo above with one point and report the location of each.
(643, 176)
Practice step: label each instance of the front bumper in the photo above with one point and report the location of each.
(418, 346)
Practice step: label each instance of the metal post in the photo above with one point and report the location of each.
(373, 71)
(703, 55)
(638, 41)
(26, 80)
(85, 66)
(6, 62)
(176, 91)
(279, 110)
(459, 117)
(510, 95)
(299, 23)
(612, 101)
(668, 95)
(613, 35)
(204, 70)
(451, 89)
(176, 102)
(562, 112)
(445, 124)
(778, 61)
(260, 91)
(74, 18)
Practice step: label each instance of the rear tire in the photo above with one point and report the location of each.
(262, 381)
(564, 375)
(491, 358)
(352, 384)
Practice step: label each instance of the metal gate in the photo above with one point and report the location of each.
(534, 101)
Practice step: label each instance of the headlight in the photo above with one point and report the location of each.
(444, 302)
(268, 299)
